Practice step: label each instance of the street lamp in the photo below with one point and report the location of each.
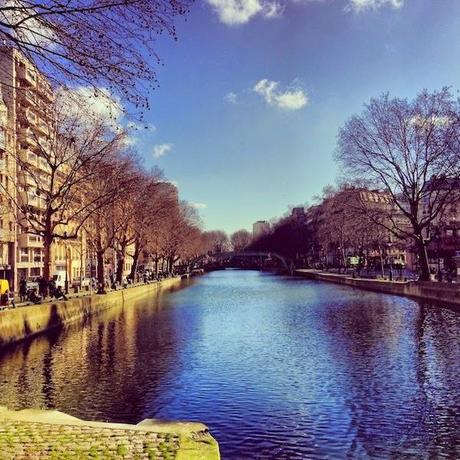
(66, 282)
(391, 260)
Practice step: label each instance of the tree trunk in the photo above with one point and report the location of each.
(121, 255)
(381, 262)
(137, 253)
(423, 259)
(100, 272)
(47, 242)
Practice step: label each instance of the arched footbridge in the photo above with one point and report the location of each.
(229, 256)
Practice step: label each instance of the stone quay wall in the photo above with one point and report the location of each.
(38, 434)
(433, 291)
(23, 322)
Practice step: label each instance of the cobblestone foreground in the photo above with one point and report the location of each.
(34, 434)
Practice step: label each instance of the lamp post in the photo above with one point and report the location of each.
(437, 238)
(391, 260)
(66, 282)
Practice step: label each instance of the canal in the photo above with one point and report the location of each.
(278, 368)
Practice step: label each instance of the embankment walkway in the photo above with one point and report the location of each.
(26, 321)
(425, 290)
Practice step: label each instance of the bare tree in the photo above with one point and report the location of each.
(240, 239)
(108, 44)
(410, 149)
(114, 180)
(55, 175)
(216, 241)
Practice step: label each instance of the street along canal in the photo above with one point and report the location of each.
(277, 367)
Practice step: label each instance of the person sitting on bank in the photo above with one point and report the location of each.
(4, 299)
(59, 294)
(33, 297)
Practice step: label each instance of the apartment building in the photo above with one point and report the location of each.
(7, 216)
(26, 111)
(260, 228)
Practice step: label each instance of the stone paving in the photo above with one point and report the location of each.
(26, 440)
(68, 438)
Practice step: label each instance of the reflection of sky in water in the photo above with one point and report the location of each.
(277, 367)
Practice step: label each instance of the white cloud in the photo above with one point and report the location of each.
(361, 5)
(231, 98)
(92, 104)
(160, 150)
(198, 205)
(236, 12)
(289, 99)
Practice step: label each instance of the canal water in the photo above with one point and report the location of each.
(278, 368)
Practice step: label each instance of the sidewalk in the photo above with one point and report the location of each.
(84, 293)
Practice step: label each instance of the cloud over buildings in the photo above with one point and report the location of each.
(293, 98)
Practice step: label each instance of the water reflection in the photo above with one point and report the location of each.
(277, 367)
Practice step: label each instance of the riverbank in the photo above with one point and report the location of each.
(425, 290)
(40, 434)
(24, 322)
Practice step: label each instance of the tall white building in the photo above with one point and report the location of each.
(259, 228)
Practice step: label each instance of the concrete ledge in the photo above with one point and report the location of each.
(25, 322)
(40, 434)
(440, 292)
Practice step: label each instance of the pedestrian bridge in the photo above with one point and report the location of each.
(258, 257)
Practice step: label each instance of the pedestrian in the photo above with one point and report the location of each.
(59, 294)
(4, 299)
(33, 297)
(42, 286)
(124, 282)
(22, 289)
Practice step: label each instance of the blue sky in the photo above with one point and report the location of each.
(250, 99)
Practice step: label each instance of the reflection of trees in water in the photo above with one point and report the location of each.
(396, 359)
(436, 334)
(100, 370)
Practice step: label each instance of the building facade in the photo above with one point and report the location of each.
(260, 228)
(25, 116)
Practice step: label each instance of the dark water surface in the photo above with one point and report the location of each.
(278, 368)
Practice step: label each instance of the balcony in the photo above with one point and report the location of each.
(27, 98)
(3, 164)
(25, 240)
(42, 126)
(28, 116)
(26, 75)
(2, 139)
(26, 136)
(44, 90)
(29, 199)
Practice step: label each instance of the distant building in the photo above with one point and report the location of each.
(259, 228)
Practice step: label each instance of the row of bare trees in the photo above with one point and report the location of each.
(400, 164)
(80, 177)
